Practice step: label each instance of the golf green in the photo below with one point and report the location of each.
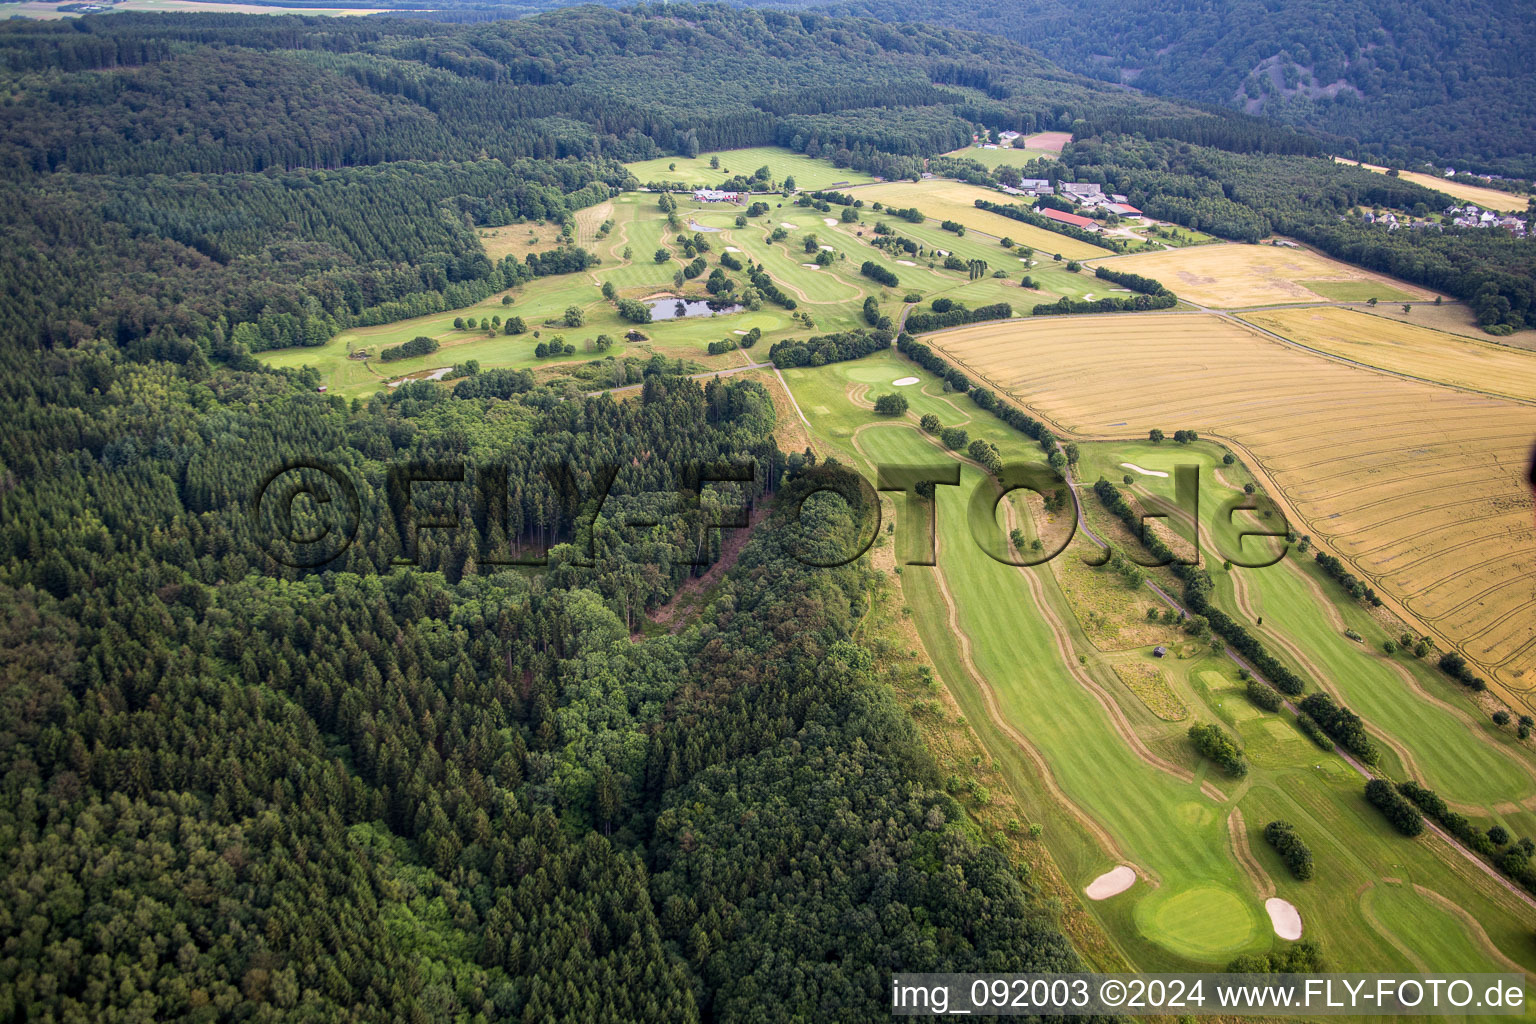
(1202, 922)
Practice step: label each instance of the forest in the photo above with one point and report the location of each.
(1401, 81)
(453, 770)
(440, 774)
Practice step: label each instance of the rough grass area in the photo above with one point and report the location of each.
(1151, 688)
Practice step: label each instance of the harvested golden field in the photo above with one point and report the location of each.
(1051, 142)
(1407, 349)
(942, 199)
(1231, 275)
(1419, 486)
(1488, 198)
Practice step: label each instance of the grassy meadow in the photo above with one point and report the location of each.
(808, 172)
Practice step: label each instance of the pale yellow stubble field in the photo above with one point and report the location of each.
(1419, 486)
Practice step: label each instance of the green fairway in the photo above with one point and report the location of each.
(781, 163)
(1441, 940)
(1204, 907)
(1430, 721)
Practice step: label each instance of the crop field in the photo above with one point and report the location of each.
(808, 173)
(1051, 142)
(1422, 490)
(944, 200)
(1488, 198)
(1230, 275)
(1407, 349)
(1008, 649)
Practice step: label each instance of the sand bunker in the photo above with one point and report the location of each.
(1112, 883)
(810, 266)
(903, 382)
(827, 247)
(906, 263)
(829, 222)
(1146, 472)
(738, 332)
(1285, 917)
(732, 248)
(786, 224)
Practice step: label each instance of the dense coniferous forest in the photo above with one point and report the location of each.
(416, 781)
(1403, 80)
(242, 785)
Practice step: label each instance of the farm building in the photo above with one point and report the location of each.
(1070, 218)
(1082, 190)
(1122, 209)
(715, 195)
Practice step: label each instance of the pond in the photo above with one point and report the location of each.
(673, 308)
(703, 228)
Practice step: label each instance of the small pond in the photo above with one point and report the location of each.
(674, 308)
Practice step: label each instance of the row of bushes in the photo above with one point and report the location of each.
(1402, 814)
(1219, 747)
(764, 284)
(1135, 282)
(840, 198)
(1108, 304)
(1263, 696)
(1296, 854)
(421, 345)
(828, 348)
(1016, 418)
(1455, 666)
(875, 271)
(1024, 215)
(1513, 861)
(873, 316)
(954, 315)
(724, 345)
(1313, 731)
(1343, 725)
(1348, 580)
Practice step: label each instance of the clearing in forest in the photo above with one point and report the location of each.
(1233, 275)
(1419, 486)
(1488, 198)
(808, 173)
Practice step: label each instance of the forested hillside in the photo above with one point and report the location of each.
(171, 177)
(448, 789)
(1408, 79)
